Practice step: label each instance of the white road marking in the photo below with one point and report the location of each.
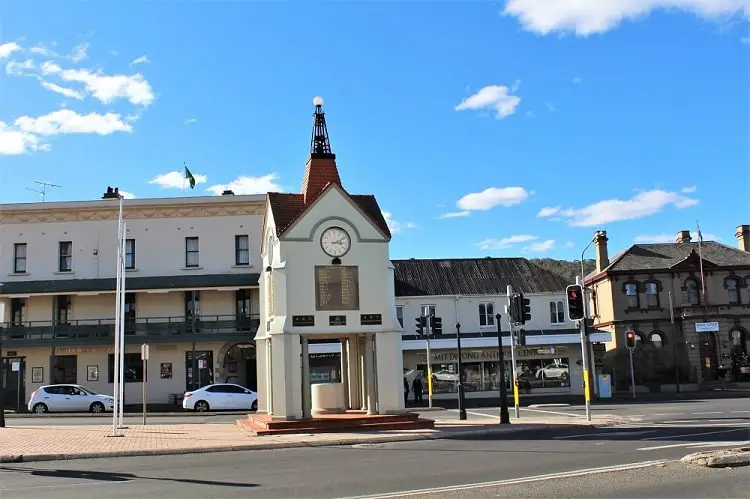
(709, 412)
(740, 411)
(60, 485)
(607, 434)
(684, 435)
(667, 413)
(694, 445)
(554, 412)
(515, 481)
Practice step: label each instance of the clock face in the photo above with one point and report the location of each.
(335, 242)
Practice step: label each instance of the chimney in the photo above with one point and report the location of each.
(228, 192)
(683, 236)
(112, 193)
(743, 237)
(602, 257)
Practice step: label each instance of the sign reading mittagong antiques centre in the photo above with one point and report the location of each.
(492, 354)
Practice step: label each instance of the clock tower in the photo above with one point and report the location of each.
(327, 278)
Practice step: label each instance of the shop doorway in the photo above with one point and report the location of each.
(241, 366)
(15, 382)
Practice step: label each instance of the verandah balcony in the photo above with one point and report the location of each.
(152, 329)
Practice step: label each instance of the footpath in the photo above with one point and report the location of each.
(20, 443)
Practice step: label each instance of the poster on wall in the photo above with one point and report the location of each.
(166, 370)
(92, 373)
(37, 374)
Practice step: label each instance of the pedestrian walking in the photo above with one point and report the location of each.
(416, 387)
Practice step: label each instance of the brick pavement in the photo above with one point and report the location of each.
(36, 443)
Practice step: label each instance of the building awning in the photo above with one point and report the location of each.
(132, 284)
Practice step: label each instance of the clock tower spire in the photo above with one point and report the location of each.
(320, 169)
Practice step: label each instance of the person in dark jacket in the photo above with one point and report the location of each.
(406, 391)
(416, 387)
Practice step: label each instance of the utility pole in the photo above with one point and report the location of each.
(428, 322)
(461, 402)
(674, 345)
(3, 366)
(504, 416)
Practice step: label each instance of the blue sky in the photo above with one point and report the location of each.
(483, 128)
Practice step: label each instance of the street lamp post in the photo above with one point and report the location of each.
(461, 402)
(504, 415)
(3, 365)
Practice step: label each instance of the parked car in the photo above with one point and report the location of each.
(68, 398)
(221, 397)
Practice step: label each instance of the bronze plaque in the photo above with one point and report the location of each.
(371, 319)
(337, 320)
(336, 287)
(303, 320)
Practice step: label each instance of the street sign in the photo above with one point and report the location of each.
(145, 350)
(706, 327)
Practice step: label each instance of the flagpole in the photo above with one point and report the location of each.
(116, 385)
(122, 321)
(184, 177)
(703, 280)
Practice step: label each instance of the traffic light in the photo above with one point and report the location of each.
(575, 302)
(525, 309)
(421, 325)
(514, 309)
(630, 340)
(437, 325)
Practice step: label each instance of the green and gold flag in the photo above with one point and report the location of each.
(189, 177)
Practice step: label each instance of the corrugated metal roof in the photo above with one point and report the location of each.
(473, 276)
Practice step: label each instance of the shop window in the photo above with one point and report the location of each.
(486, 314)
(204, 363)
(325, 368)
(133, 368)
(65, 369)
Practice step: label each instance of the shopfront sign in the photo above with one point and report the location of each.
(706, 327)
(491, 354)
(78, 350)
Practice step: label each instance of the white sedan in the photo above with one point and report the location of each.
(68, 398)
(220, 397)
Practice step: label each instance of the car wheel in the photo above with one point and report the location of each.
(201, 406)
(96, 407)
(254, 407)
(41, 408)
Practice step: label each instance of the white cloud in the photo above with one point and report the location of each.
(540, 246)
(107, 88)
(569, 244)
(396, 226)
(66, 121)
(506, 242)
(190, 121)
(492, 197)
(176, 180)
(140, 60)
(671, 238)
(497, 97)
(13, 141)
(641, 205)
(67, 92)
(6, 49)
(248, 185)
(587, 17)
(15, 68)
(577, 79)
(548, 211)
(41, 50)
(79, 52)
(127, 195)
(455, 214)
(689, 189)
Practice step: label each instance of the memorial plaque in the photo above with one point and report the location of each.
(371, 319)
(336, 287)
(303, 320)
(337, 320)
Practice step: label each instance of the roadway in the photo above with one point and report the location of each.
(635, 459)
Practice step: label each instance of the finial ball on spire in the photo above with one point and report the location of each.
(318, 101)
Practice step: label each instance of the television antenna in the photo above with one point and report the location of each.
(43, 190)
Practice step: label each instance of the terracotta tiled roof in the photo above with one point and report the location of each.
(319, 172)
(473, 276)
(287, 208)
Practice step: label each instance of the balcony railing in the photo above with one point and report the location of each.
(94, 329)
